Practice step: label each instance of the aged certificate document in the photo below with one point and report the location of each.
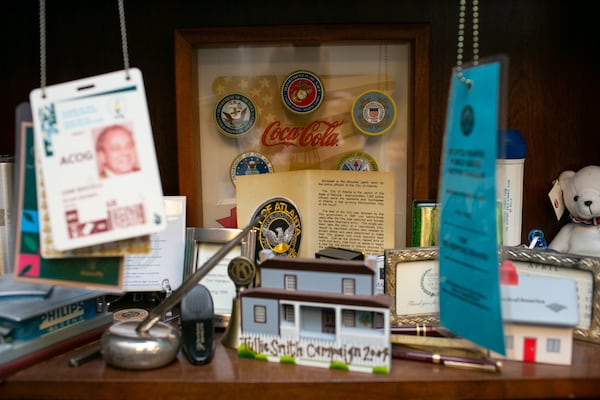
(301, 212)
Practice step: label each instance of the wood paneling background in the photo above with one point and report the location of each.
(553, 83)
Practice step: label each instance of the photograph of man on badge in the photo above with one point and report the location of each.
(115, 151)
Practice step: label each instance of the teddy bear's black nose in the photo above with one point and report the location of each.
(587, 203)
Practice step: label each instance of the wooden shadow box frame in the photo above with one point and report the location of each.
(189, 111)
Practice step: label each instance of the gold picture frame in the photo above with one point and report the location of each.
(413, 272)
(200, 179)
(411, 278)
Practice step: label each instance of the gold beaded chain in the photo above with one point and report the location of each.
(461, 38)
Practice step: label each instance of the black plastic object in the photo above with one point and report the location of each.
(198, 325)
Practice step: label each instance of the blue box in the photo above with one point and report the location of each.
(29, 310)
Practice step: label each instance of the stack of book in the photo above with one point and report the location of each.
(39, 321)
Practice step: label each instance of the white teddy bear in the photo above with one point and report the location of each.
(581, 195)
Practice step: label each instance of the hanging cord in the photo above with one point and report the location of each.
(43, 47)
(385, 67)
(379, 66)
(124, 38)
(383, 59)
(461, 39)
(43, 43)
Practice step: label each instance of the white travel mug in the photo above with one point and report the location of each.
(509, 186)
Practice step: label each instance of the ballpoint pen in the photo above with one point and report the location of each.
(421, 330)
(484, 364)
(86, 355)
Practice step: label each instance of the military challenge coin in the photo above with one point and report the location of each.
(374, 112)
(250, 163)
(302, 92)
(357, 161)
(235, 115)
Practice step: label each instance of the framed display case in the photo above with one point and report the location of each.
(266, 99)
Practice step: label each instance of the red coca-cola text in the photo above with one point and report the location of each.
(315, 134)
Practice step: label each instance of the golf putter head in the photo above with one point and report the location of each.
(198, 325)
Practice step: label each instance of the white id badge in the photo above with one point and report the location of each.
(98, 177)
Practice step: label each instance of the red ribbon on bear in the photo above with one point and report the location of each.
(584, 221)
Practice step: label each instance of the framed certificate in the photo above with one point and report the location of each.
(585, 271)
(202, 244)
(411, 277)
(301, 97)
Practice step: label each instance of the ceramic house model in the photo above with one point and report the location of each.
(539, 315)
(317, 312)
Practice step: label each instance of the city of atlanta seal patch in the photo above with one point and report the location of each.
(279, 227)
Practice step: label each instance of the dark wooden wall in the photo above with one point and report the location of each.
(553, 82)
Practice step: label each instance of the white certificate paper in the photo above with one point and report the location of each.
(98, 174)
(220, 285)
(162, 268)
(417, 287)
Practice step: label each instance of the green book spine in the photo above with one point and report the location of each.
(99, 272)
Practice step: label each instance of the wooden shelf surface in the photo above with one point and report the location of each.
(229, 377)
